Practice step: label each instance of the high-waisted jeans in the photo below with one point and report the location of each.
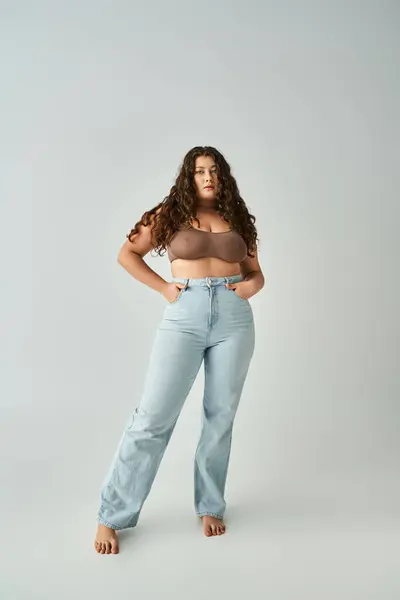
(209, 322)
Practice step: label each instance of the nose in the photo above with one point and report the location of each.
(208, 178)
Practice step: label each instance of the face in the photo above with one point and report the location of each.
(206, 178)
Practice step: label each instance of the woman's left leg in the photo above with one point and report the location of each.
(226, 362)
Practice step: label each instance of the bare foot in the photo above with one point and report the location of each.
(212, 526)
(106, 541)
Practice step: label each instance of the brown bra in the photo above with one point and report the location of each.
(193, 243)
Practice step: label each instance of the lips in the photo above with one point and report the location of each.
(209, 187)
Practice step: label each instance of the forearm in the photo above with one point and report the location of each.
(140, 270)
(256, 278)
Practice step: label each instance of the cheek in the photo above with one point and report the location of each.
(198, 185)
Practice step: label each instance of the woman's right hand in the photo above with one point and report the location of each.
(171, 290)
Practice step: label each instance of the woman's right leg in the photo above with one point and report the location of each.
(174, 363)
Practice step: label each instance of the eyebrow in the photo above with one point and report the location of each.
(200, 167)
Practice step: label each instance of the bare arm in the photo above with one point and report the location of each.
(251, 271)
(130, 257)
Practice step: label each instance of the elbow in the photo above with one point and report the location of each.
(121, 257)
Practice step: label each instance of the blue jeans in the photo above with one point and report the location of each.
(209, 322)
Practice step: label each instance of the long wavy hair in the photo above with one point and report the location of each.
(178, 209)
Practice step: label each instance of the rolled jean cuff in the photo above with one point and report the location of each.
(116, 527)
(210, 514)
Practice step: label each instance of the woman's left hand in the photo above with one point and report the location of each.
(244, 289)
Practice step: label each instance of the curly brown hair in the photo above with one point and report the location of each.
(178, 209)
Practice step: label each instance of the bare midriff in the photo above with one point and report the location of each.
(203, 267)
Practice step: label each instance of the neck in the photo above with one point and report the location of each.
(213, 207)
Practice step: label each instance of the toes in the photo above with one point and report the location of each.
(214, 528)
(106, 547)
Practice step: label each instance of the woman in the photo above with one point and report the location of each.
(211, 241)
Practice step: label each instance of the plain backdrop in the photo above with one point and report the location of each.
(100, 101)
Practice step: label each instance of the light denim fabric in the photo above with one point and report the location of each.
(209, 322)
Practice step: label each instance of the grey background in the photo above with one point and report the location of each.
(99, 103)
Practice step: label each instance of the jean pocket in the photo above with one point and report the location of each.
(177, 298)
(239, 297)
